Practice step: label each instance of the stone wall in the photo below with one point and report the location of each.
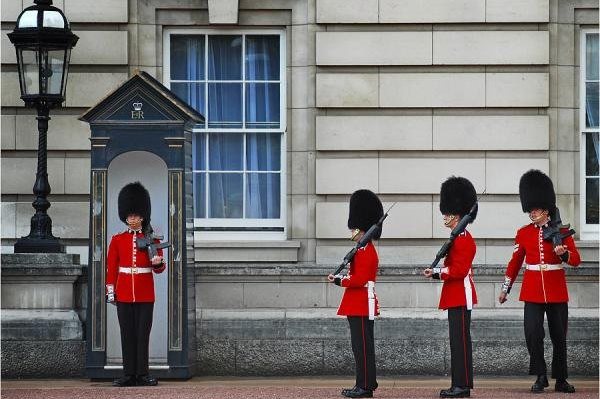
(307, 342)
(281, 320)
(388, 95)
(42, 333)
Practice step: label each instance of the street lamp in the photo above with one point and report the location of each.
(43, 41)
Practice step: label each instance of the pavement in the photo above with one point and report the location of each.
(284, 388)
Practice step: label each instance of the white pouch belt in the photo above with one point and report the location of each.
(370, 286)
(135, 270)
(543, 267)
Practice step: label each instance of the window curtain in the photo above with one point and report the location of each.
(263, 153)
(263, 150)
(262, 98)
(187, 64)
(591, 103)
(225, 64)
(225, 154)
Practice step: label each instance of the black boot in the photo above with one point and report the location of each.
(146, 381)
(455, 392)
(348, 390)
(358, 393)
(540, 383)
(125, 381)
(564, 386)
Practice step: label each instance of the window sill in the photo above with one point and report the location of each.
(246, 251)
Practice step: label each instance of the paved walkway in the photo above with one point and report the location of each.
(281, 388)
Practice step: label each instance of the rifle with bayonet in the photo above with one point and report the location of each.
(456, 231)
(364, 240)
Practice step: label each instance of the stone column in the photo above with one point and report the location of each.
(42, 335)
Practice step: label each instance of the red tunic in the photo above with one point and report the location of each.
(363, 269)
(459, 288)
(130, 287)
(540, 286)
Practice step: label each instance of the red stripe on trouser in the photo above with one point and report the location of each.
(465, 347)
(362, 319)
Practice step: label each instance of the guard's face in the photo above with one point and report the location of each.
(538, 215)
(134, 221)
(450, 220)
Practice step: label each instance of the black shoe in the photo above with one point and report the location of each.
(455, 392)
(564, 386)
(125, 381)
(540, 383)
(348, 390)
(358, 393)
(146, 381)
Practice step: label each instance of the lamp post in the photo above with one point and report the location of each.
(43, 41)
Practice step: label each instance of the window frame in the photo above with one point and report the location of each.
(587, 231)
(225, 228)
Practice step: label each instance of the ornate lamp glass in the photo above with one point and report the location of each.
(43, 41)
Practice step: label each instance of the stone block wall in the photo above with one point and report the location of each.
(281, 321)
(391, 95)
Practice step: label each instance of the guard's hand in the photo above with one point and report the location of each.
(503, 297)
(560, 249)
(157, 260)
(428, 272)
(330, 278)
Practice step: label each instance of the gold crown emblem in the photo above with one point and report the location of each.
(137, 106)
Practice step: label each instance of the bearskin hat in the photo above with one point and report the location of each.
(365, 210)
(537, 191)
(134, 199)
(457, 196)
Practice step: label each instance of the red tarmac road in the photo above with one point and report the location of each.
(281, 388)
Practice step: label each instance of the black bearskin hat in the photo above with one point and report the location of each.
(537, 191)
(365, 210)
(457, 196)
(134, 199)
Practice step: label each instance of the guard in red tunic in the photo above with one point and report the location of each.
(130, 284)
(544, 288)
(457, 197)
(359, 302)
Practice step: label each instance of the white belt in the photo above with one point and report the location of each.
(135, 270)
(544, 267)
(370, 286)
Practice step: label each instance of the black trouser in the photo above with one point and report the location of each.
(363, 347)
(135, 320)
(461, 349)
(557, 314)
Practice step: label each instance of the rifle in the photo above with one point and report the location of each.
(364, 240)
(456, 231)
(551, 232)
(147, 243)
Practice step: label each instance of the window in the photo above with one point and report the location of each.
(237, 81)
(590, 154)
